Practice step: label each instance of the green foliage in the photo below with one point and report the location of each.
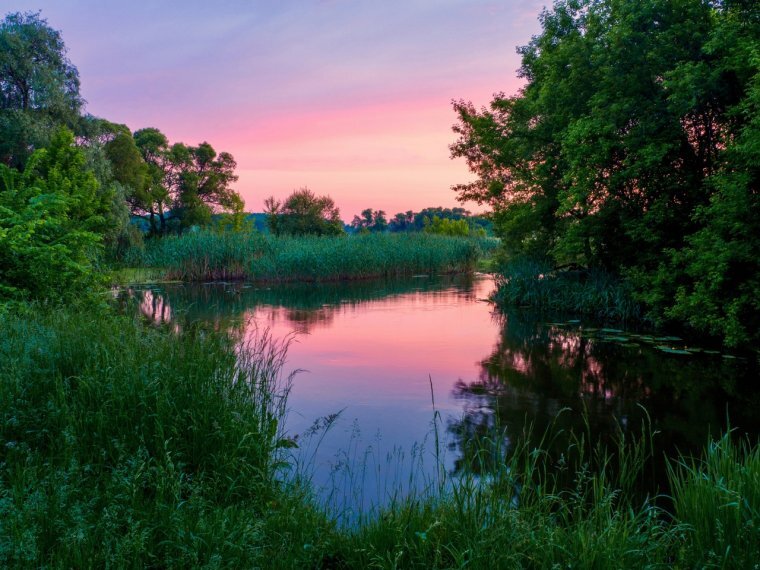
(628, 150)
(717, 500)
(303, 213)
(127, 446)
(371, 221)
(447, 227)
(236, 220)
(524, 282)
(411, 221)
(39, 87)
(52, 217)
(206, 256)
(715, 279)
(127, 164)
(184, 185)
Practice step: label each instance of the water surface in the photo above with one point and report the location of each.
(380, 353)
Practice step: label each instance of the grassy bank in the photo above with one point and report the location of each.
(206, 256)
(530, 283)
(126, 446)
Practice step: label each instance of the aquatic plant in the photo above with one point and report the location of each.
(533, 283)
(204, 256)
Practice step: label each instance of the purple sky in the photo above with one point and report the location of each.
(349, 98)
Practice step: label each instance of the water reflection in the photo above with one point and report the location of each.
(305, 305)
(375, 349)
(535, 370)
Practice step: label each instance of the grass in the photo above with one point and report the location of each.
(206, 256)
(531, 283)
(125, 445)
(128, 446)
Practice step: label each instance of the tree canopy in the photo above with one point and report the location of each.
(39, 86)
(191, 182)
(52, 221)
(303, 213)
(629, 145)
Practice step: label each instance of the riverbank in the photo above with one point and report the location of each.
(207, 256)
(132, 445)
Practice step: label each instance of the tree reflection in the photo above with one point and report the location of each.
(304, 306)
(536, 369)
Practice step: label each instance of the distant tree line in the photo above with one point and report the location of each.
(435, 220)
(634, 147)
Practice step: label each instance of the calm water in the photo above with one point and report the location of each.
(377, 353)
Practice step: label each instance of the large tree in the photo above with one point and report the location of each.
(39, 86)
(615, 149)
(183, 183)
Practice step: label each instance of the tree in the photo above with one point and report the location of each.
(303, 213)
(204, 183)
(183, 182)
(370, 221)
(448, 227)
(52, 221)
(618, 151)
(39, 86)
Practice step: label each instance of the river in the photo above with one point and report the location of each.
(396, 380)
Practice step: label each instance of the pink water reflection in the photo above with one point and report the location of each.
(375, 360)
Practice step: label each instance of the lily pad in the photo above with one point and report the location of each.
(574, 322)
(669, 339)
(612, 331)
(615, 338)
(712, 352)
(672, 350)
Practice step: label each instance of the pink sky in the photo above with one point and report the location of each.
(350, 98)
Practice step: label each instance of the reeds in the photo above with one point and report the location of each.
(534, 284)
(717, 500)
(206, 256)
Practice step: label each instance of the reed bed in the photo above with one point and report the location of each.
(531, 283)
(126, 445)
(207, 256)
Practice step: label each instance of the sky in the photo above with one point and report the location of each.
(348, 98)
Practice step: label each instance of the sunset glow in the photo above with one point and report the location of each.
(352, 99)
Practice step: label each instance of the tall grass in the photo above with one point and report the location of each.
(532, 283)
(127, 446)
(205, 256)
(717, 498)
(124, 445)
